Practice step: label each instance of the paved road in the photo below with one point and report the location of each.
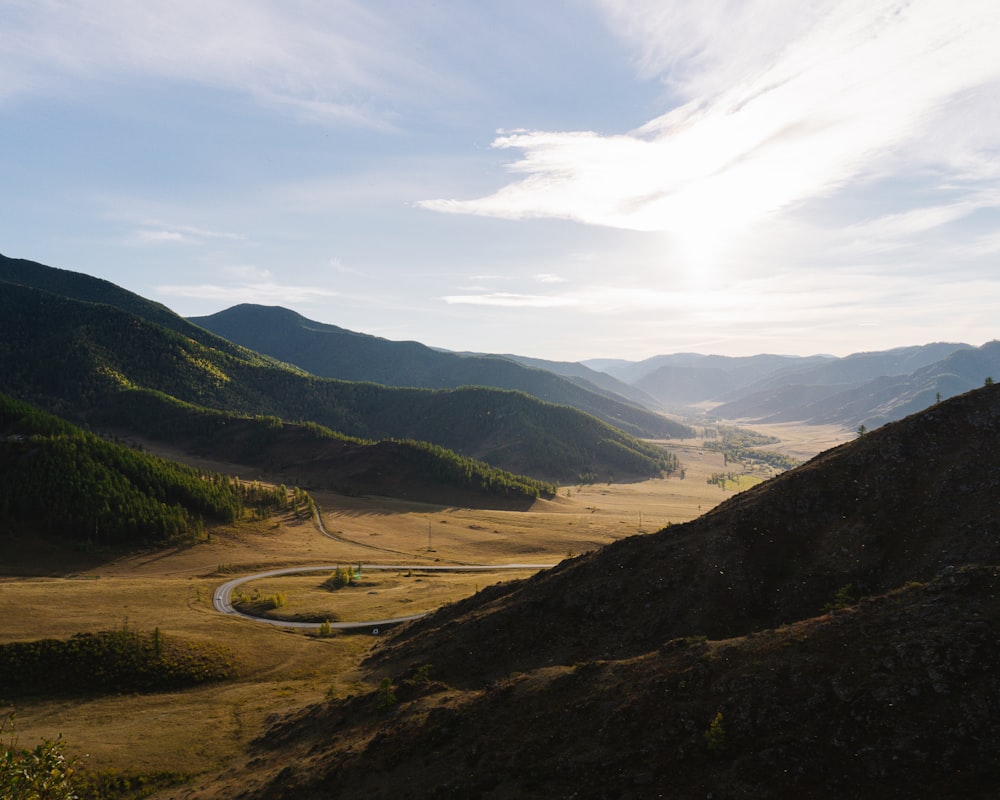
(222, 603)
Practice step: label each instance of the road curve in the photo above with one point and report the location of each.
(222, 603)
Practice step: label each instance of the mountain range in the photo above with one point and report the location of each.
(332, 352)
(868, 389)
(99, 355)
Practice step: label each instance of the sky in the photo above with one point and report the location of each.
(562, 179)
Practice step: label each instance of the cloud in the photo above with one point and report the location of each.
(159, 237)
(509, 300)
(267, 293)
(791, 115)
(162, 233)
(322, 62)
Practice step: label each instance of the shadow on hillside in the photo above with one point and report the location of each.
(28, 555)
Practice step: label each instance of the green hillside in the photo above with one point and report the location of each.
(75, 358)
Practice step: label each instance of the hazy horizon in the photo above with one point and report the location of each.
(575, 181)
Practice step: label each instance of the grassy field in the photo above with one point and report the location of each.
(46, 591)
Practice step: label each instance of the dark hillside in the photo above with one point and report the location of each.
(902, 503)
(333, 352)
(77, 286)
(893, 699)
(832, 633)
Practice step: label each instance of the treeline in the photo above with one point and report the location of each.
(116, 661)
(65, 481)
(446, 465)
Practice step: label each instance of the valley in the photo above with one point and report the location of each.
(48, 591)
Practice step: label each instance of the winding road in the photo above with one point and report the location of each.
(222, 602)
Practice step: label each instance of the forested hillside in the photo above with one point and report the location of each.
(61, 480)
(312, 455)
(75, 358)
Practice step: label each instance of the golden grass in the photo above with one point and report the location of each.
(203, 729)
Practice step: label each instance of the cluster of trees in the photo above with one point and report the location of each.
(339, 578)
(66, 481)
(257, 602)
(115, 661)
(741, 445)
(721, 478)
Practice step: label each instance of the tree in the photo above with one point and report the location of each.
(386, 695)
(862, 430)
(715, 736)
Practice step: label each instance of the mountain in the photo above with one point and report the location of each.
(333, 352)
(868, 388)
(83, 349)
(846, 393)
(589, 378)
(743, 370)
(829, 633)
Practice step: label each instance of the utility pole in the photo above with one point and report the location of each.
(430, 548)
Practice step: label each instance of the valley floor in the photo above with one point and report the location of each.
(49, 592)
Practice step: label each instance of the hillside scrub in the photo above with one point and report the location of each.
(39, 773)
(114, 661)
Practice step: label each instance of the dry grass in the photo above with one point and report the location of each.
(202, 730)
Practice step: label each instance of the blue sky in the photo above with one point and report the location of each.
(567, 179)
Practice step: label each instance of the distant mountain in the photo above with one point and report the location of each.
(742, 369)
(944, 371)
(830, 633)
(333, 352)
(589, 378)
(863, 388)
(80, 346)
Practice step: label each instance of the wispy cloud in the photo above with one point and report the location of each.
(787, 116)
(264, 292)
(154, 232)
(509, 300)
(324, 62)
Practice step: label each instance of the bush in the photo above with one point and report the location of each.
(43, 773)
